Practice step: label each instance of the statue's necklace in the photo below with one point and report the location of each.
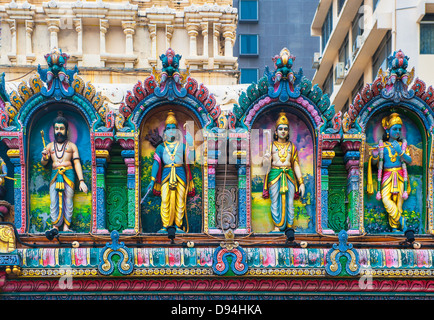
(391, 156)
(282, 150)
(61, 151)
(173, 153)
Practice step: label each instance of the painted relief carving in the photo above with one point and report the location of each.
(284, 181)
(66, 167)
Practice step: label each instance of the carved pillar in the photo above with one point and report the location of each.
(229, 36)
(103, 27)
(351, 148)
(53, 28)
(103, 142)
(30, 56)
(129, 144)
(169, 35)
(12, 55)
(216, 39)
(204, 27)
(129, 29)
(153, 35)
(192, 30)
(79, 29)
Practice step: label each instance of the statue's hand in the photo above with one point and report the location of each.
(396, 146)
(150, 186)
(45, 154)
(83, 187)
(302, 189)
(375, 152)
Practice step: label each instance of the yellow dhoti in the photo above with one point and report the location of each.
(392, 189)
(173, 199)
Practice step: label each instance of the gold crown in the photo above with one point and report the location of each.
(391, 120)
(282, 119)
(171, 118)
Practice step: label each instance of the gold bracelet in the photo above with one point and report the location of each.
(300, 181)
(152, 179)
(403, 151)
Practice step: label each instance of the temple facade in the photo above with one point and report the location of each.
(168, 195)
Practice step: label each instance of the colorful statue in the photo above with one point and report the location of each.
(391, 155)
(284, 181)
(65, 164)
(171, 176)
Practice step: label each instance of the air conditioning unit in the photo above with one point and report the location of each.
(339, 72)
(359, 42)
(316, 60)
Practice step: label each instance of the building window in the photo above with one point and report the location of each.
(427, 34)
(344, 53)
(248, 75)
(357, 30)
(328, 83)
(249, 44)
(327, 28)
(379, 59)
(248, 10)
(340, 5)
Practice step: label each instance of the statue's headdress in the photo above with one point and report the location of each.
(391, 120)
(282, 120)
(171, 118)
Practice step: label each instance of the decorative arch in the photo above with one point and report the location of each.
(393, 91)
(170, 86)
(287, 90)
(54, 88)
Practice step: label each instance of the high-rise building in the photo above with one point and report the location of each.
(267, 26)
(357, 36)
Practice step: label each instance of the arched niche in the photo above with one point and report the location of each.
(302, 135)
(39, 176)
(154, 119)
(375, 216)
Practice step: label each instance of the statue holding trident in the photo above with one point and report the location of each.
(171, 176)
(391, 155)
(65, 164)
(284, 180)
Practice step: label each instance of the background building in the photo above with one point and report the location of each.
(267, 26)
(114, 43)
(357, 37)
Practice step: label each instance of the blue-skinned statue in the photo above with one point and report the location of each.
(391, 156)
(171, 176)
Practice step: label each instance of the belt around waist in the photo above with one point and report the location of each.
(173, 165)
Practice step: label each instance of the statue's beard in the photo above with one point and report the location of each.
(60, 138)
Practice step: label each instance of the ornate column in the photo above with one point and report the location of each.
(192, 30)
(30, 56)
(53, 28)
(129, 29)
(129, 144)
(103, 142)
(153, 35)
(351, 147)
(169, 35)
(103, 27)
(216, 39)
(229, 36)
(79, 29)
(204, 27)
(12, 55)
